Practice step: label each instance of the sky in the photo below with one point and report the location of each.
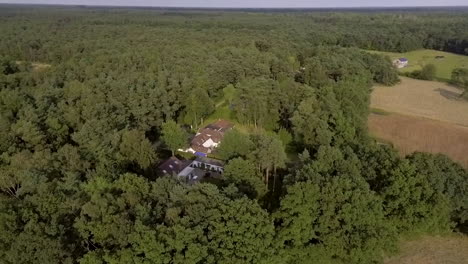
(250, 3)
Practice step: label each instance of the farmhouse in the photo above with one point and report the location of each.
(209, 137)
(400, 63)
(192, 171)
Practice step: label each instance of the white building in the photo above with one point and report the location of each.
(400, 63)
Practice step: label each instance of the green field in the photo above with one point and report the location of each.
(419, 58)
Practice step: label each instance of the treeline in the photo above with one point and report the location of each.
(82, 133)
(57, 34)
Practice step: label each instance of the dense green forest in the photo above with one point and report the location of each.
(91, 100)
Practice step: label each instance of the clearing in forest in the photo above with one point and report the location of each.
(421, 116)
(433, 250)
(429, 99)
(37, 66)
(444, 62)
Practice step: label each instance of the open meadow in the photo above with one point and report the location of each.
(433, 250)
(421, 116)
(444, 62)
(429, 99)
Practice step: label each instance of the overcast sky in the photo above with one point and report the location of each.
(250, 3)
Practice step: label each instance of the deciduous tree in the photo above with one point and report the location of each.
(173, 136)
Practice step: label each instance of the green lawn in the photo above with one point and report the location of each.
(223, 112)
(419, 58)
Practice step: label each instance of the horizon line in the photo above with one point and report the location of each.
(215, 7)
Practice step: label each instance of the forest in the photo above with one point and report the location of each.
(90, 97)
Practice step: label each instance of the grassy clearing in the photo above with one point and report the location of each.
(37, 66)
(419, 58)
(40, 66)
(423, 116)
(433, 250)
(224, 112)
(429, 99)
(409, 134)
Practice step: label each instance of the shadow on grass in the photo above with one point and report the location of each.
(448, 94)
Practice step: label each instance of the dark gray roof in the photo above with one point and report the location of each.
(196, 175)
(173, 165)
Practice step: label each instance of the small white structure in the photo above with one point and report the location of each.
(209, 144)
(400, 63)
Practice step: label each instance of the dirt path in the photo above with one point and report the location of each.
(434, 100)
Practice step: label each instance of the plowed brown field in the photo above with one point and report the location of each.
(423, 116)
(409, 134)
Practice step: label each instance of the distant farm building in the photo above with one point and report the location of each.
(208, 138)
(400, 63)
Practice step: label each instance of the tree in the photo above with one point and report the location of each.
(460, 78)
(76, 125)
(308, 128)
(285, 137)
(320, 121)
(314, 218)
(381, 68)
(229, 94)
(7, 67)
(106, 222)
(292, 94)
(173, 136)
(198, 106)
(269, 154)
(136, 147)
(447, 178)
(278, 157)
(428, 72)
(410, 201)
(205, 226)
(36, 225)
(235, 144)
(257, 103)
(246, 177)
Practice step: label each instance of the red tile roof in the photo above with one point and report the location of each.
(214, 131)
(220, 125)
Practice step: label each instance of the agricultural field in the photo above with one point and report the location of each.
(420, 115)
(409, 134)
(433, 250)
(429, 99)
(419, 58)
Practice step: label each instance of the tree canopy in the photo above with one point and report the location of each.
(92, 99)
